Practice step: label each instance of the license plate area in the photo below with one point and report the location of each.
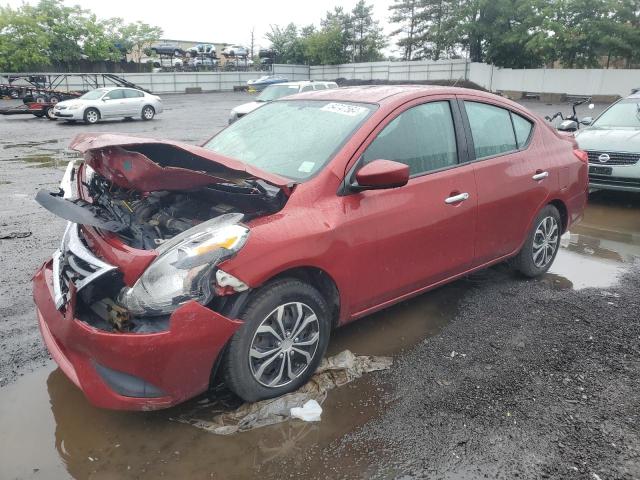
(598, 170)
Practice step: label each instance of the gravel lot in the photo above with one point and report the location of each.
(495, 376)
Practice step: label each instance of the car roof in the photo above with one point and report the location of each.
(635, 94)
(385, 93)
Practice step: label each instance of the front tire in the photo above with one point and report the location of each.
(542, 244)
(91, 116)
(49, 113)
(148, 112)
(281, 343)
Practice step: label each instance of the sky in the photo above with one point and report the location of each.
(223, 21)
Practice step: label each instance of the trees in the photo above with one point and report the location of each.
(52, 33)
(405, 12)
(367, 37)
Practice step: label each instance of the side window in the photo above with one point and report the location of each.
(132, 94)
(320, 86)
(523, 128)
(306, 88)
(423, 137)
(115, 94)
(491, 129)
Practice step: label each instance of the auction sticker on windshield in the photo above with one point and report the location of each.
(344, 109)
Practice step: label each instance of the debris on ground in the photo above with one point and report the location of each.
(11, 235)
(309, 412)
(333, 372)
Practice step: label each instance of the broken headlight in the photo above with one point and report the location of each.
(183, 271)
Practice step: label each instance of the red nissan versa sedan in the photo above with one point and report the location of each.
(239, 257)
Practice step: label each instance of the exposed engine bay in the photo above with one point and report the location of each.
(147, 220)
(189, 205)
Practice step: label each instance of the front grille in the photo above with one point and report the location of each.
(614, 181)
(75, 263)
(615, 158)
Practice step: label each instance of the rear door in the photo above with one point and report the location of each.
(404, 239)
(133, 102)
(513, 176)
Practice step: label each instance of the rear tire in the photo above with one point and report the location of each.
(148, 112)
(542, 244)
(281, 343)
(91, 116)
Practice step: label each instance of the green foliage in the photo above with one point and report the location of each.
(342, 37)
(520, 33)
(51, 32)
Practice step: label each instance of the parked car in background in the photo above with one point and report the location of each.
(236, 259)
(206, 62)
(203, 49)
(612, 142)
(235, 51)
(167, 49)
(113, 102)
(266, 80)
(276, 91)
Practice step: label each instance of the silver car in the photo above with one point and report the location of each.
(276, 91)
(612, 142)
(111, 102)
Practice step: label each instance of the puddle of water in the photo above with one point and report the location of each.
(53, 428)
(58, 159)
(29, 144)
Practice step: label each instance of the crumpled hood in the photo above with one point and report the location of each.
(147, 164)
(619, 140)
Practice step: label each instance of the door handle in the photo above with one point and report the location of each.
(461, 197)
(540, 175)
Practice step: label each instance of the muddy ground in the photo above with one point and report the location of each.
(543, 381)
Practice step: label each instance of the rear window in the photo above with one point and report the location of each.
(491, 129)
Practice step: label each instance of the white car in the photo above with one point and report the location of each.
(276, 91)
(110, 102)
(235, 51)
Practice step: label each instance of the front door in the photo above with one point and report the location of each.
(113, 104)
(405, 239)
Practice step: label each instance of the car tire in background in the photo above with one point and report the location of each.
(542, 244)
(281, 342)
(148, 112)
(48, 112)
(91, 116)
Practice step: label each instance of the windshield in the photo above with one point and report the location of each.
(294, 139)
(274, 92)
(94, 94)
(624, 114)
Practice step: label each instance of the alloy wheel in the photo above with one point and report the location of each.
(284, 344)
(545, 241)
(148, 113)
(92, 116)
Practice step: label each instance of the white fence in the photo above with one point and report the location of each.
(393, 71)
(177, 82)
(539, 80)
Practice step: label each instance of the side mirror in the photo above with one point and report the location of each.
(381, 174)
(567, 126)
(104, 99)
(586, 121)
(591, 106)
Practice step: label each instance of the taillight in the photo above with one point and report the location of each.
(581, 154)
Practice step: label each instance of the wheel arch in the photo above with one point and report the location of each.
(319, 279)
(564, 212)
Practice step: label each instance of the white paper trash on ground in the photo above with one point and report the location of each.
(333, 372)
(309, 412)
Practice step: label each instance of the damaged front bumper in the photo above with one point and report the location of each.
(130, 371)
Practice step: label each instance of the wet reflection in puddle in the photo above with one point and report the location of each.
(588, 262)
(56, 431)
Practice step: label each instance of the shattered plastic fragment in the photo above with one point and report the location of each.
(309, 412)
(332, 372)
